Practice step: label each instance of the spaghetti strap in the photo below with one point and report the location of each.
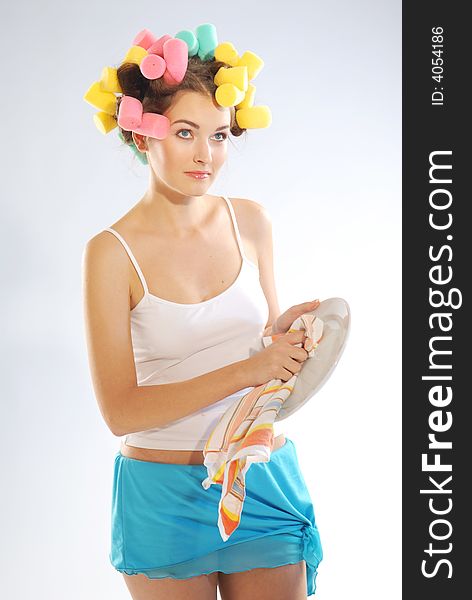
(133, 260)
(236, 229)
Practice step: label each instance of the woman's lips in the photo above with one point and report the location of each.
(198, 175)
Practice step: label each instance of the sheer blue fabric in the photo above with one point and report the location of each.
(164, 523)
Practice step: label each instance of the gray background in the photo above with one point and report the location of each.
(332, 79)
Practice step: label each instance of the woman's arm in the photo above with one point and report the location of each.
(265, 256)
(262, 230)
(149, 406)
(125, 406)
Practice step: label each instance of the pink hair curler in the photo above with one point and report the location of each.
(132, 118)
(169, 79)
(176, 57)
(153, 66)
(154, 125)
(156, 48)
(144, 39)
(130, 113)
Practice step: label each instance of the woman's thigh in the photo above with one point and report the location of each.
(202, 587)
(287, 582)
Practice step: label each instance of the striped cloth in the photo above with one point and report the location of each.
(245, 433)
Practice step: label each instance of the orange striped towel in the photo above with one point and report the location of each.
(245, 433)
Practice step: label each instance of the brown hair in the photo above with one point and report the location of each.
(156, 96)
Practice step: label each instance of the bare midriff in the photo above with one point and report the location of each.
(179, 457)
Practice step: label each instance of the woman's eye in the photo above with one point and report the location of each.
(186, 137)
(223, 134)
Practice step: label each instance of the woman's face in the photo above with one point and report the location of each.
(197, 142)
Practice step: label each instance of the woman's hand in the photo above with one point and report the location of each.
(285, 320)
(280, 360)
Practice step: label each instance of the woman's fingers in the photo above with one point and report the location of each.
(308, 344)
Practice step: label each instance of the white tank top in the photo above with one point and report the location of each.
(174, 342)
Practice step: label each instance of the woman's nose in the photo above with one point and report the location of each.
(203, 152)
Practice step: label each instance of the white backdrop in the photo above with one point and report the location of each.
(332, 79)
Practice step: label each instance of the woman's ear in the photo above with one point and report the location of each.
(140, 141)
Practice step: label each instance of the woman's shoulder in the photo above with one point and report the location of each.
(253, 213)
(248, 207)
(106, 246)
(126, 226)
(245, 203)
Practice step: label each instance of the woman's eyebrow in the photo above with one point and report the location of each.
(197, 126)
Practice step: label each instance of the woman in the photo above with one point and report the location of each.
(176, 293)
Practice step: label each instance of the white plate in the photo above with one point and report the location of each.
(317, 369)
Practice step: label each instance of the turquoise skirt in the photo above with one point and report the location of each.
(164, 523)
